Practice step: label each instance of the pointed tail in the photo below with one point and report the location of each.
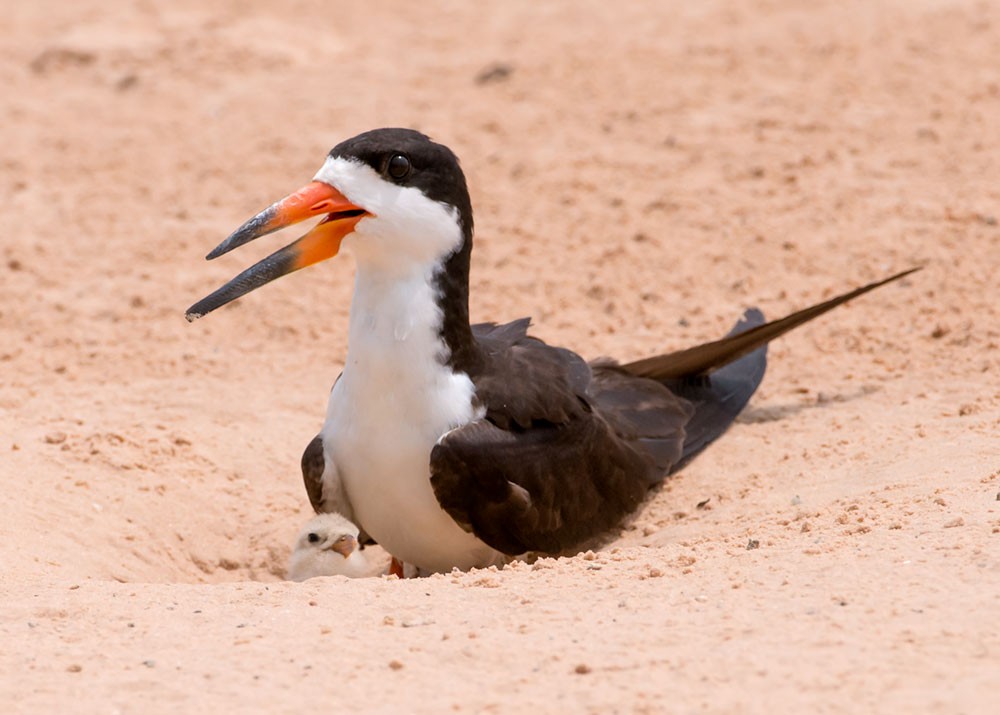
(706, 358)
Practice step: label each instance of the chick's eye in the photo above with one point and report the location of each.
(398, 166)
(313, 537)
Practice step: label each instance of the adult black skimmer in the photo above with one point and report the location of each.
(454, 445)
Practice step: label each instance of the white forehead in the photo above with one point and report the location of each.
(350, 175)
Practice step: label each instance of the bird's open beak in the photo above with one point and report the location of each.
(322, 242)
(345, 547)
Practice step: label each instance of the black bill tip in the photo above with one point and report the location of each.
(274, 266)
(260, 225)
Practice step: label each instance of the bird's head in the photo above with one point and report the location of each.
(393, 196)
(328, 533)
(327, 546)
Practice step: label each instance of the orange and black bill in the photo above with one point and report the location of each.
(320, 243)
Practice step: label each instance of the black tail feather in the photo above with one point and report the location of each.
(720, 377)
(720, 397)
(707, 358)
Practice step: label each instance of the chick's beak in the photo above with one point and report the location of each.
(345, 546)
(322, 242)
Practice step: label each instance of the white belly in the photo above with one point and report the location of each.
(392, 403)
(381, 443)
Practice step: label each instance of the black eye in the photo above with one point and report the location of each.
(313, 537)
(398, 166)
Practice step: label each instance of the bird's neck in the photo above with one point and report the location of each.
(451, 282)
(417, 312)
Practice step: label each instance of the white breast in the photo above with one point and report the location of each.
(392, 403)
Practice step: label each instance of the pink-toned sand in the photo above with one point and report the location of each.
(643, 172)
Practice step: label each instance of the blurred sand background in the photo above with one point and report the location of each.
(641, 172)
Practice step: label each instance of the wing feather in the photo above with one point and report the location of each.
(561, 455)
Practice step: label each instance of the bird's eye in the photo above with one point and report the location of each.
(398, 166)
(343, 538)
(313, 537)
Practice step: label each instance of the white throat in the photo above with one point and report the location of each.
(395, 346)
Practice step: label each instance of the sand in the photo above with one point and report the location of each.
(641, 172)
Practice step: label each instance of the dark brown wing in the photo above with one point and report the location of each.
(312, 473)
(524, 381)
(558, 457)
(548, 488)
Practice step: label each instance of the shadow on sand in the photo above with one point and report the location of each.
(776, 413)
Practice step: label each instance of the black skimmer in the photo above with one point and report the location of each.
(457, 445)
(328, 546)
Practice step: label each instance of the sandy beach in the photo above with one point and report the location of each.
(641, 173)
